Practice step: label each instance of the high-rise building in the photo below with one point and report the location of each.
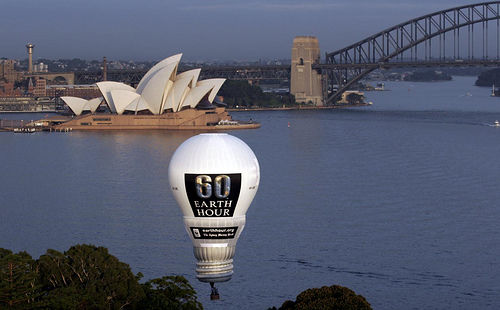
(40, 89)
(41, 67)
(7, 71)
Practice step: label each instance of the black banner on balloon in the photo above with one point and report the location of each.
(213, 195)
(214, 232)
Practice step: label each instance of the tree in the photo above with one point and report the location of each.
(88, 277)
(169, 292)
(19, 285)
(333, 297)
(240, 93)
(354, 98)
(85, 277)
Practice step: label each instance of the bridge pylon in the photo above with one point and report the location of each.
(306, 82)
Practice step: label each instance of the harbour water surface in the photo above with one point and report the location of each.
(399, 201)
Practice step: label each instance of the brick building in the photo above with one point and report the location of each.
(40, 89)
(81, 91)
(7, 71)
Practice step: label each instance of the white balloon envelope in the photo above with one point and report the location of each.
(214, 178)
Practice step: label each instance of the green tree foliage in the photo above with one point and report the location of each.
(355, 98)
(242, 94)
(170, 292)
(333, 297)
(19, 285)
(87, 277)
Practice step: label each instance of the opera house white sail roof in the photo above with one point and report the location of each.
(161, 89)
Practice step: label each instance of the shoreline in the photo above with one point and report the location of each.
(298, 108)
(93, 122)
(242, 109)
(43, 111)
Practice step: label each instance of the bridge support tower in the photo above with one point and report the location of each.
(306, 83)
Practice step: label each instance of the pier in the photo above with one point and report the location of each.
(23, 126)
(11, 124)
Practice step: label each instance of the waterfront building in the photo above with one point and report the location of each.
(87, 91)
(25, 104)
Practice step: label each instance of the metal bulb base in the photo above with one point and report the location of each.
(215, 262)
(212, 272)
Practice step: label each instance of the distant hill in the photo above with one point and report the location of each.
(427, 76)
(488, 78)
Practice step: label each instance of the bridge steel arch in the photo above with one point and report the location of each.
(420, 41)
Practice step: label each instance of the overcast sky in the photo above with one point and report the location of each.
(200, 29)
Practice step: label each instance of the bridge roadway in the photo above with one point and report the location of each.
(410, 64)
(283, 71)
(277, 72)
(253, 73)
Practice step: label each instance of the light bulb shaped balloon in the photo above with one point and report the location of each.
(214, 178)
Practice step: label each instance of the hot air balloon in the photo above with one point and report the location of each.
(214, 178)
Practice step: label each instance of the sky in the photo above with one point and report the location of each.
(203, 30)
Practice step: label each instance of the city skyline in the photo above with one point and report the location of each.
(220, 30)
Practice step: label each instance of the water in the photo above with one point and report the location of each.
(397, 201)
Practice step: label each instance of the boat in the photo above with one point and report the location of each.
(24, 130)
(495, 92)
(380, 87)
(496, 124)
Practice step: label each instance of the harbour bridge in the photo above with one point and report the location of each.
(467, 35)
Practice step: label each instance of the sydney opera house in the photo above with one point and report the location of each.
(163, 99)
